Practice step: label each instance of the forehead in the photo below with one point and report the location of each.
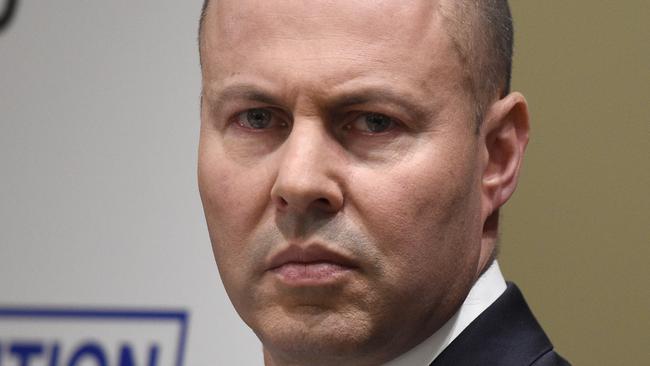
(331, 41)
(243, 19)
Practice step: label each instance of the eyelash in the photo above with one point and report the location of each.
(395, 123)
(346, 126)
(273, 114)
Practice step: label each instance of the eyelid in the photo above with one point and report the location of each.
(397, 123)
(276, 114)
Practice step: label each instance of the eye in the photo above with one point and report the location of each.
(259, 119)
(372, 123)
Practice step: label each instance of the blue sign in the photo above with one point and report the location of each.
(81, 337)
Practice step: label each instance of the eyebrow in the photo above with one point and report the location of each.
(379, 96)
(364, 95)
(243, 92)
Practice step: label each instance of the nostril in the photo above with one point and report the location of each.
(323, 202)
(304, 204)
(282, 203)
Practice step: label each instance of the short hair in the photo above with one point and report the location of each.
(204, 10)
(483, 36)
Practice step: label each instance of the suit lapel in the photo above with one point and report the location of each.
(506, 333)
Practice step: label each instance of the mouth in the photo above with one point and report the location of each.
(311, 265)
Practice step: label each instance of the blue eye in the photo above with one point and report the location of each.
(256, 118)
(260, 119)
(372, 123)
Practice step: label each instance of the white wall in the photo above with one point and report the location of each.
(99, 122)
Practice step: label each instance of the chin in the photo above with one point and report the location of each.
(315, 336)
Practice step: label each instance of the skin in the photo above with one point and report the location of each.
(414, 206)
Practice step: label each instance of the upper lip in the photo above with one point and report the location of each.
(295, 253)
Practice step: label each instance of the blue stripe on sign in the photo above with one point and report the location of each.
(29, 312)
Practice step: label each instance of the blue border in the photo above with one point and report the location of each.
(98, 313)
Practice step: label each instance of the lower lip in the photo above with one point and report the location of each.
(316, 273)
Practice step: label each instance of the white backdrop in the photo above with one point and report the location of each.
(99, 121)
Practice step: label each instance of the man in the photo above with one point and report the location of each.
(353, 159)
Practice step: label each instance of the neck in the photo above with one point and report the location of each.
(271, 359)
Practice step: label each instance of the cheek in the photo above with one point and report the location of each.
(235, 199)
(424, 216)
(232, 194)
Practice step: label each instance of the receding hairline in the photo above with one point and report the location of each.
(204, 9)
(482, 34)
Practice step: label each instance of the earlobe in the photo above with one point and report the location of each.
(505, 135)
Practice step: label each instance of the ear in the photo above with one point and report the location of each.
(504, 134)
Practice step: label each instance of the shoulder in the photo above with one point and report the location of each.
(551, 358)
(506, 333)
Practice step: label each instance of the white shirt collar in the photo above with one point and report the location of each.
(485, 291)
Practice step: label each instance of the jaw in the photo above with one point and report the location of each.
(362, 332)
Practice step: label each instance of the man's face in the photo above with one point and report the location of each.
(339, 172)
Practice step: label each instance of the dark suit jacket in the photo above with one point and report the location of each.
(505, 334)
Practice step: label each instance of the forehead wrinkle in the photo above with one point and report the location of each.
(426, 31)
(246, 92)
(396, 20)
(237, 88)
(419, 16)
(406, 23)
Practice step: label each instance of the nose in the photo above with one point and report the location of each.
(309, 173)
